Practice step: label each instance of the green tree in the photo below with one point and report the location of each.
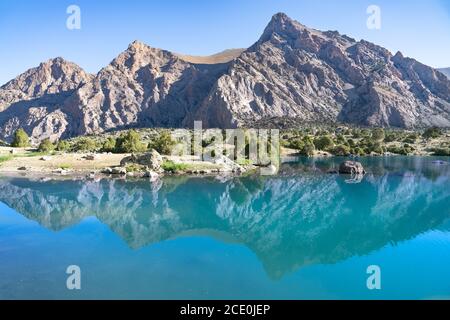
(85, 144)
(358, 151)
(296, 143)
(340, 150)
(307, 150)
(46, 146)
(109, 145)
(432, 133)
(62, 146)
(323, 142)
(130, 142)
(163, 143)
(21, 139)
(378, 134)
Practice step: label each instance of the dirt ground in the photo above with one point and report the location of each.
(50, 163)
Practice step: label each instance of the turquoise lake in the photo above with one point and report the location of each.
(303, 234)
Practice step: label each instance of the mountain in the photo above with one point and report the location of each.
(445, 71)
(297, 72)
(35, 99)
(292, 72)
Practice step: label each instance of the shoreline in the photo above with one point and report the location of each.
(87, 166)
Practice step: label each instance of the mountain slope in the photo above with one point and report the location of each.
(297, 72)
(143, 86)
(292, 72)
(34, 100)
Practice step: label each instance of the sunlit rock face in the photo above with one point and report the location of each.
(298, 218)
(291, 73)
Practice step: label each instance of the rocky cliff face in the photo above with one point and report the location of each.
(292, 72)
(35, 99)
(297, 72)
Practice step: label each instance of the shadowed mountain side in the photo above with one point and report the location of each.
(289, 221)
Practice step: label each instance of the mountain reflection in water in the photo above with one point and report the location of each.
(300, 217)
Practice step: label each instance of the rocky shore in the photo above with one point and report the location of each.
(17, 161)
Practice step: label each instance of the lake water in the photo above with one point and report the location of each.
(303, 234)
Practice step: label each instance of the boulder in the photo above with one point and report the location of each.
(121, 171)
(351, 167)
(227, 165)
(45, 158)
(107, 171)
(128, 159)
(152, 175)
(152, 160)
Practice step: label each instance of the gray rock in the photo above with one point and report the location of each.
(119, 171)
(107, 171)
(90, 157)
(351, 167)
(152, 160)
(152, 175)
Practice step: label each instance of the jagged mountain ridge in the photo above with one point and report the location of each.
(292, 72)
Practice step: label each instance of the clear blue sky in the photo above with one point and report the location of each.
(34, 31)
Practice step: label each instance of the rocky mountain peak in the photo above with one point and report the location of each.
(282, 25)
(292, 72)
(51, 76)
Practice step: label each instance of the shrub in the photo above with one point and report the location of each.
(307, 150)
(63, 146)
(441, 152)
(391, 137)
(173, 167)
(432, 133)
(46, 146)
(351, 143)
(377, 148)
(21, 139)
(296, 144)
(85, 144)
(164, 143)
(340, 150)
(323, 143)
(358, 151)
(396, 150)
(130, 142)
(408, 149)
(109, 145)
(378, 134)
(340, 139)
